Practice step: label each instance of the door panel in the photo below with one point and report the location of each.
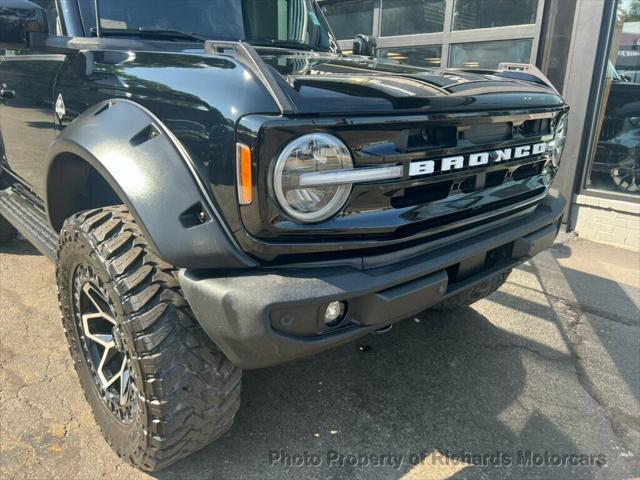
(27, 120)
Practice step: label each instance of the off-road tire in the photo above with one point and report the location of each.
(473, 295)
(188, 392)
(7, 231)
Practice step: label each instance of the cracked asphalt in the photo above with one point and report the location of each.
(549, 365)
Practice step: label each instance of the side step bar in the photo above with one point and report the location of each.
(30, 221)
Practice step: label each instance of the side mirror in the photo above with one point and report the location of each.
(364, 45)
(18, 19)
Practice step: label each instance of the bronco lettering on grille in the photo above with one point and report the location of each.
(462, 162)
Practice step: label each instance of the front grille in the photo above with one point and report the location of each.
(402, 143)
(440, 190)
(392, 214)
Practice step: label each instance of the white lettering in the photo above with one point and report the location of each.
(502, 155)
(449, 162)
(522, 152)
(539, 148)
(478, 159)
(422, 168)
(427, 167)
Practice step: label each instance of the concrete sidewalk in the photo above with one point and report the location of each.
(548, 365)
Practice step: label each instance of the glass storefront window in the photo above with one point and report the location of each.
(349, 18)
(470, 14)
(406, 17)
(427, 56)
(616, 162)
(490, 54)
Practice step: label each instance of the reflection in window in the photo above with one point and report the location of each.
(616, 162)
(493, 13)
(349, 18)
(555, 41)
(52, 14)
(405, 17)
(490, 54)
(428, 56)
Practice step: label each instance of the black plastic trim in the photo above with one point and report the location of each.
(240, 322)
(155, 179)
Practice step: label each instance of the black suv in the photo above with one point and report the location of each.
(222, 189)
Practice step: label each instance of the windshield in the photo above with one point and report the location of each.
(287, 23)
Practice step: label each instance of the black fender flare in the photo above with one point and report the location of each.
(153, 174)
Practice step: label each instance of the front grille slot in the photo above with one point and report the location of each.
(528, 171)
(488, 132)
(536, 127)
(471, 212)
(496, 178)
(422, 194)
(432, 138)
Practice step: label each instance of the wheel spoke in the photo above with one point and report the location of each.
(107, 355)
(101, 338)
(89, 291)
(98, 301)
(124, 381)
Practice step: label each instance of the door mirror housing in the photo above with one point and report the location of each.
(364, 45)
(18, 19)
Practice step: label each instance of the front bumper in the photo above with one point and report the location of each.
(264, 317)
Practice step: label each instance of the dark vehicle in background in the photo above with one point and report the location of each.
(221, 189)
(617, 157)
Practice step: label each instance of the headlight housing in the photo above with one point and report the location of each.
(308, 154)
(560, 139)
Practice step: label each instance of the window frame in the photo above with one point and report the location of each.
(448, 36)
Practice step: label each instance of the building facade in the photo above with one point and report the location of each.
(589, 50)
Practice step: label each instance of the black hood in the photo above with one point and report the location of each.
(326, 83)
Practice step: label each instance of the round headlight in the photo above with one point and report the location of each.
(309, 154)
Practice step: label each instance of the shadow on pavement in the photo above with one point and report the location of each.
(439, 384)
(19, 246)
(598, 320)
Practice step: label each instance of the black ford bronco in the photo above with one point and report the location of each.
(221, 188)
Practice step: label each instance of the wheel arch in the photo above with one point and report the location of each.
(117, 149)
(74, 185)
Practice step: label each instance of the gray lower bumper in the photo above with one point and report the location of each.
(246, 313)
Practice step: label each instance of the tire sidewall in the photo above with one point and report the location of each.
(76, 251)
(188, 391)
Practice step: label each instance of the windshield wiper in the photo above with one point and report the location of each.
(150, 33)
(290, 44)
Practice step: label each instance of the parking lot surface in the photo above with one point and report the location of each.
(545, 371)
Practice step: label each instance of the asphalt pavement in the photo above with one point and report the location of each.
(539, 381)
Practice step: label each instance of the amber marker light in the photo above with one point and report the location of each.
(244, 174)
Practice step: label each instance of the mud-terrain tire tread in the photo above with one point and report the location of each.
(7, 231)
(191, 390)
(469, 297)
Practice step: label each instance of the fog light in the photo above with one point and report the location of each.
(334, 313)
